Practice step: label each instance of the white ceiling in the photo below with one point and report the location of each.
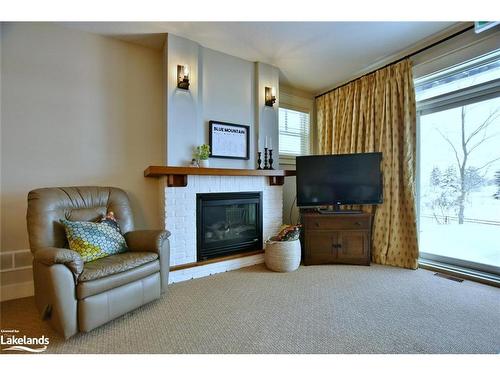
(312, 56)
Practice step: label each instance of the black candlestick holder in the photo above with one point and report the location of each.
(259, 160)
(266, 166)
(271, 159)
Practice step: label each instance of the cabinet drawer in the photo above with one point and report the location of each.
(345, 222)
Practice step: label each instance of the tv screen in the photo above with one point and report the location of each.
(339, 179)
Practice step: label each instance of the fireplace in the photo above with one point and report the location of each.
(228, 223)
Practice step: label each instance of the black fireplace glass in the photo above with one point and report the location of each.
(231, 222)
(228, 223)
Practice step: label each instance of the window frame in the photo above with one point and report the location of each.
(290, 159)
(453, 99)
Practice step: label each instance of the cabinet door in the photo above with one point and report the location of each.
(353, 247)
(319, 245)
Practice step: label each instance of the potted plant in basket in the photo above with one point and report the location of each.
(201, 154)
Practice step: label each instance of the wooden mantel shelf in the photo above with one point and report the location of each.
(178, 176)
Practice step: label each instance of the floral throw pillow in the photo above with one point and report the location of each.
(95, 240)
(289, 233)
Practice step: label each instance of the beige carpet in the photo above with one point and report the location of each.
(317, 309)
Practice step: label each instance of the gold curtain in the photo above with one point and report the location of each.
(377, 113)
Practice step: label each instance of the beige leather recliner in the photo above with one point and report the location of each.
(76, 296)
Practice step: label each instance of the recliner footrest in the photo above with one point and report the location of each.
(101, 308)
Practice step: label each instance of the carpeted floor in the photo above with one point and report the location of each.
(317, 309)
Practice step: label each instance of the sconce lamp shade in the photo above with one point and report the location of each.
(183, 77)
(270, 96)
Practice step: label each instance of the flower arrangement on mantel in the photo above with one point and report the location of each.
(201, 154)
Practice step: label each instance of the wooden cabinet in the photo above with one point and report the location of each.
(336, 238)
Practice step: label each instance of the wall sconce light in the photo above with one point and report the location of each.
(183, 77)
(270, 96)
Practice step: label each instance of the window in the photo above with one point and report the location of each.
(294, 132)
(459, 165)
(463, 76)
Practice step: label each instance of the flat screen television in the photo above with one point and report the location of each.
(339, 179)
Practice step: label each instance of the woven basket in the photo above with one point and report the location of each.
(282, 256)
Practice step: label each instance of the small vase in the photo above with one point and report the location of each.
(203, 163)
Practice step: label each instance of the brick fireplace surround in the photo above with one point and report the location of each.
(178, 189)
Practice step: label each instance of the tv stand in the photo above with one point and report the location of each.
(336, 238)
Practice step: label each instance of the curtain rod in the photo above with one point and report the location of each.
(401, 59)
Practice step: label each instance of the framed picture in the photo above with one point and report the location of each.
(231, 141)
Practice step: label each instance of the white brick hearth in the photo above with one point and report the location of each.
(180, 219)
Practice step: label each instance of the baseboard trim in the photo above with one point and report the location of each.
(199, 271)
(15, 291)
(214, 260)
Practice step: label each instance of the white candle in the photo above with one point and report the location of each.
(265, 145)
(271, 143)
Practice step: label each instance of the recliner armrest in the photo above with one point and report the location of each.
(156, 241)
(146, 240)
(53, 255)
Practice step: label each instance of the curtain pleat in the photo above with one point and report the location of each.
(376, 113)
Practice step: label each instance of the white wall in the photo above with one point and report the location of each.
(228, 96)
(77, 109)
(222, 88)
(183, 106)
(267, 117)
(301, 101)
